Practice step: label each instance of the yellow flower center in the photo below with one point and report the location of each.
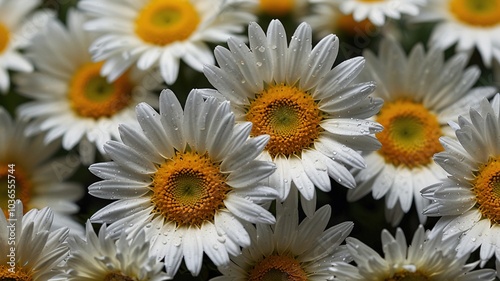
(408, 276)
(277, 7)
(189, 189)
(16, 273)
(487, 190)
(117, 276)
(476, 12)
(162, 22)
(92, 96)
(411, 134)
(290, 116)
(277, 268)
(4, 37)
(347, 24)
(14, 184)
(371, 1)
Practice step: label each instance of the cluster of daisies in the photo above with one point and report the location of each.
(225, 131)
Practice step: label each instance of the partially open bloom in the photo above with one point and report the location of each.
(315, 116)
(422, 92)
(430, 259)
(468, 199)
(377, 10)
(38, 180)
(99, 257)
(28, 249)
(468, 24)
(157, 33)
(189, 179)
(289, 250)
(71, 99)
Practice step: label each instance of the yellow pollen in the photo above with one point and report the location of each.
(189, 189)
(20, 187)
(117, 276)
(487, 190)
(162, 22)
(347, 24)
(371, 1)
(13, 274)
(411, 134)
(92, 96)
(276, 268)
(277, 7)
(4, 37)
(476, 12)
(290, 116)
(408, 276)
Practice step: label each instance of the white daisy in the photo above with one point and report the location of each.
(326, 18)
(28, 249)
(152, 33)
(18, 24)
(377, 10)
(190, 179)
(314, 114)
(468, 24)
(431, 259)
(99, 257)
(39, 180)
(421, 93)
(71, 99)
(468, 199)
(289, 250)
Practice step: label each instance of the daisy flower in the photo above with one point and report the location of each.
(71, 99)
(99, 257)
(468, 199)
(326, 18)
(289, 250)
(18, 23)
(432, 259)
(28, 249)
(422, 92)
(314, 114)
(190, 179)
(468, 24)
(39, 180)
(376, 11)
(152, 33)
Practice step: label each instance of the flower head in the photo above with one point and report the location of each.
(422, 92)
(71, 99)
(468, 199)
(432, 259)
(28, 249)
(99, 257)
(189, 178)
(314, 115)
(159, 33)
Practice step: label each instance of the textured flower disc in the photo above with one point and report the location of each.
(277, 267)
(476, 12)
(411, 134)
(18, 274)
(19, 179)
(189, 189)
(114, 276)
(4, 37)
(164, 22)
(93, 97)
(408, 276)
(487, 190)
(277, 7)
(290, 116)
